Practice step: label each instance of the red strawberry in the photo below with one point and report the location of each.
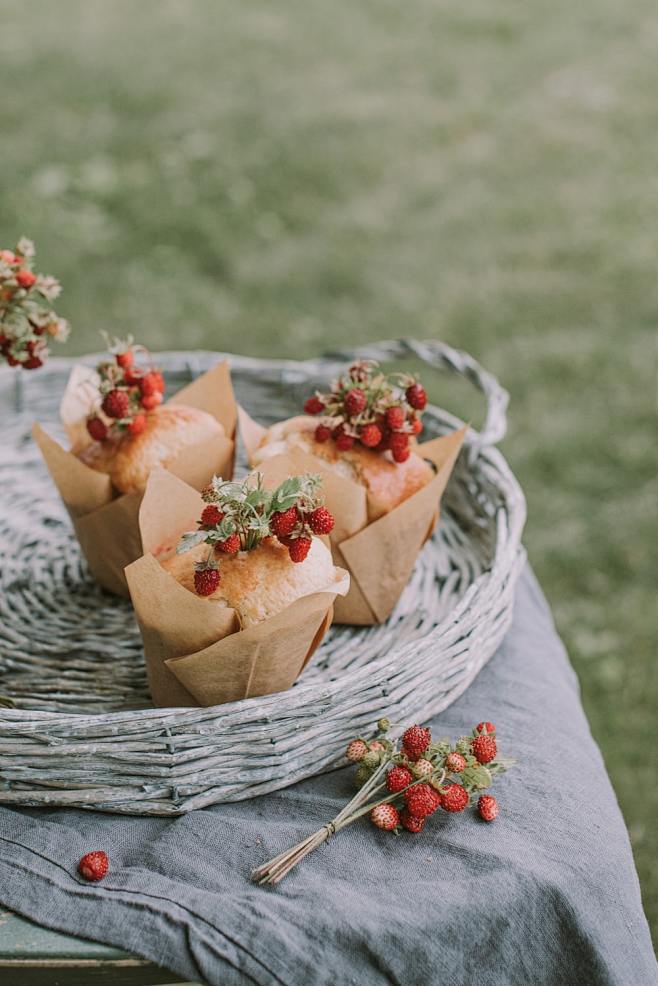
(152, 383)
(485, 727)
(344, 442)
(211, 516)
(33, 363)
(398, 778)
(9, 257)
(97, 429)
(230, 546)
(355, 400)
(385, 817)
(125, 359)
(137, 425)
(356, 751)
(321, 521)
(422, 800)
(25, 279)
(416, 426)
(322, 433)
(299, 548)
(415, 741)
(370, 435)
(395, 417)
(401, 454)
(488, 807)
(283, 522)
(206, 581)
(132, 375)
(150, 401)
(417, 396)
(398, 441)
(454, 798)
(410, 822)
(484, 748)
(313, 405)
(94, 865)
(455, 763)
(116, 404)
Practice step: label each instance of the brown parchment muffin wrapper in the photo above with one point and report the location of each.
(379, 555)
(106, 522)
(196, 653)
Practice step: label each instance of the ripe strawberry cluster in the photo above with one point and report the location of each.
(238, 516)
(422, 776)
(368, 407)
(27, 319)
(127, 390)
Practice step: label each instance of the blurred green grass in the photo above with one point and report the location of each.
(285, 179)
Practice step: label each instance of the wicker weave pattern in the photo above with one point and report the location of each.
(83, 734)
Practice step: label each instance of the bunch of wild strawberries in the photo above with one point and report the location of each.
(369, 407)
(239, 515)
(421, 776)
(27, 319)
(128, 390)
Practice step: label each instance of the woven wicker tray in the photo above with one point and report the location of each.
(82, 732)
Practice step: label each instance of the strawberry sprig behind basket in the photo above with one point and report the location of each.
(129, 387)
(239, 516)
(369, 407)
(27, 319)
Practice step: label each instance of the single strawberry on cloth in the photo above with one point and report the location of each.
(119, 429)
(236, 589)
(382, 486)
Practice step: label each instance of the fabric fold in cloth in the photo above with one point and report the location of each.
(546, 895)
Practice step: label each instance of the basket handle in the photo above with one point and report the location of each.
(443, 357)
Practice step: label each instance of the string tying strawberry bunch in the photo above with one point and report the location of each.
(238, 516)
(129, 388)
(369, 407)
(402, 783)
(27, 319)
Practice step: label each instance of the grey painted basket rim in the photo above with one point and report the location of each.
(249, 747)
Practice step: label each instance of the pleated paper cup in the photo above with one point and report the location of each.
(106, 522)
(196, 654)
(380, 554)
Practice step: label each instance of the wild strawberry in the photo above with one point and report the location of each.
(422, 800)
(150, 401)
(484, 748)
(344, 442)
(417, 396)
(25, 279)
(94, 865)
(211, 516)
(488, 807)
(399, 440)
(398, 778)
(299, 548)
(116, 404)
(422, 768)
(385, 817)
(152, 383)
(455, 763)
(370, 435)
(132, 375)
(283, 522)
(410, 822)
(485, 727)
(9, 257)
(230, 546)
(376, 745)
(395, 417)
(322, 433)
(125, 359)
(321, 521)
(401, 454)
(416, 426)
(206, 581)
(97, 429)
(454, 798)
(137, 425)
(356, 751)
(313, 405)
(415, 741)
(355, 400)
(372, 759)
(33, 363)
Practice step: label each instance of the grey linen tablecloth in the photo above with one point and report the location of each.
(548, 894)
